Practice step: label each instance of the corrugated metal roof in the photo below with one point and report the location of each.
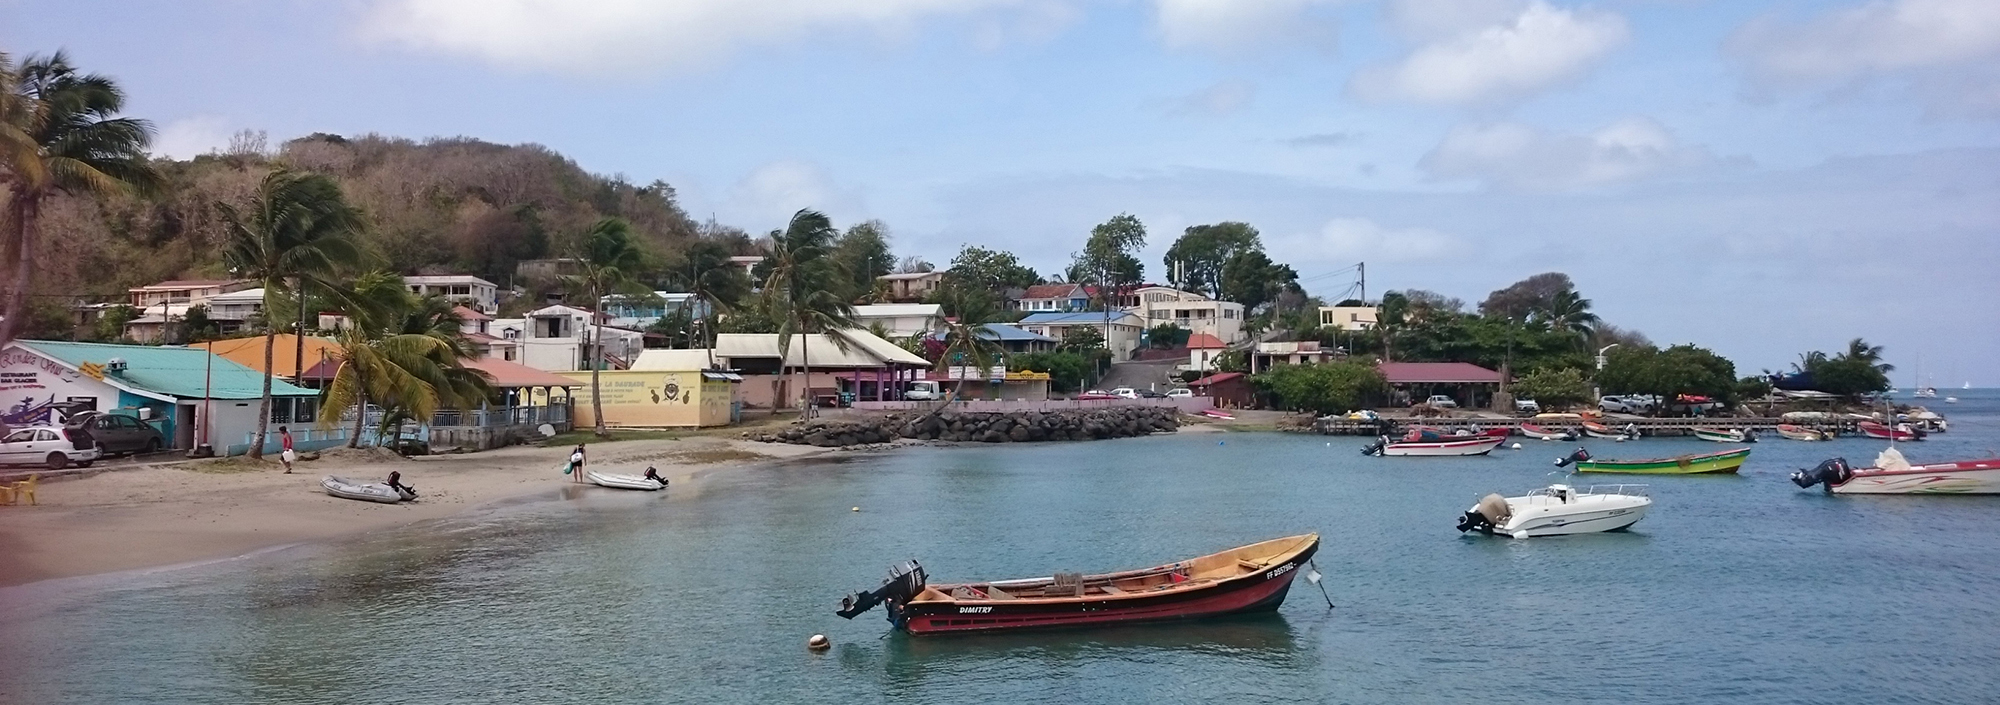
(863, 349)
(249, 352)
(1437, 373)
(1076, 318)
(898, 310)
(509, 374)
(187, 373)
(672, 360)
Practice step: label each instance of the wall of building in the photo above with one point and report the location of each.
(645, 399)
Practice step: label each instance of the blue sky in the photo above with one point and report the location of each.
(1759, 177)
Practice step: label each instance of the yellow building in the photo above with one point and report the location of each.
(658, 399)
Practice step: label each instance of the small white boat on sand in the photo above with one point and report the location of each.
(389, 492)
(1558, 510)
(650, 481)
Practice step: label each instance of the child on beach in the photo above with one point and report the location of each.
(285, 441)
(575, 469)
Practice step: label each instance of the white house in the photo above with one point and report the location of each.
(1202, 350)
(464, 289)
(159, 304)
(912, 286)
(901, 320)
(1190, 311)
(1121, 339)
(232, 312)
(558, 339)
(1053, 297)
(1348, 317)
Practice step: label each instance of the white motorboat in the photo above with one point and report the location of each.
(1893, 474)
(650, 481)
(389, 492)
(1547, 433)
(1451, 446)
(1557, 510)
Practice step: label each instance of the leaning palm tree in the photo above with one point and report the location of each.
(1570, 313)
(404, 354)
(966, 338)
(606, 263)
(799, 274)
(716, 283)
(1858, 349)
(59, 135)
(297, 229)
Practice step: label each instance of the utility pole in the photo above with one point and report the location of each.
(1364, 282)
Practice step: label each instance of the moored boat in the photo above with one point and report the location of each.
(1694, 464)
(389, 492)
(1803, 433)
(1899, 432)
(1558, 510)
(1253, 578)
(1460, 445)
(1547, 433)
(1894, 475)
(650, 481)
(1725, 435)
(1598, 430)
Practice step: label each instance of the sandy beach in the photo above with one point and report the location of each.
(196, 511)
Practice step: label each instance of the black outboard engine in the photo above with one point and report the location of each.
(905, 582)
(1474, 521)
(1376, 447)
(1829, 473)
(408, 492)
(1749, 435)
(654, 475)
(1578, 456)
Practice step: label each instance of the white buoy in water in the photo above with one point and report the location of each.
(857, 509)
(1517, 445)
(819, 642)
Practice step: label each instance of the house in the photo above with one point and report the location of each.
(1011, 338)
(233, 312)
(192, 397)
(1202, 350)
(1295, 352)
(547, 269)
(1348, 317)
(286, 359)
(1121, 339)
(1190, 311)
(900, 320)
(160, 305)
(558, 339)
(640, 313)
(1471, 385)
(463, 289)
(768, 371)
(911, 287)
(1230, 390)
(659, 399)
(1053, 297)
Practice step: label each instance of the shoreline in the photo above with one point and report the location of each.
(189, 514)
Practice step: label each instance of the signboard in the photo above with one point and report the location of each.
(962, 372)
(31, 384)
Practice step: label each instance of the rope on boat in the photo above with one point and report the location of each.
(1322, 584)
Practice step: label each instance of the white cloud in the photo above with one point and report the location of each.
(614, 34)
(773, 192)
(1877, 37)
(1517, 157)
(1235, 25)
(188, 138)
(1350, 239)
(1225, 97)
(1463, 62)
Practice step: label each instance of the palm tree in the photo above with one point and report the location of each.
(799, 275)
(1570, 313)
(966, 339)
(403, 353)
(606, 263)
(1858, 349)
(299, 229)
(714, 281)
(58, 135)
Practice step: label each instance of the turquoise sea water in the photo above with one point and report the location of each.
(1733, 589)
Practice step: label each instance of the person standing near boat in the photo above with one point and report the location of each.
(287, 455)
(575, 469)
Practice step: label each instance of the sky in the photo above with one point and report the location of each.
(1759, 177)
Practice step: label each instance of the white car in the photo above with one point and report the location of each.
(1180, 393)
(48, 446)
(1441, 401)
(1527, 406)
(1626, 405)
(1126, 392)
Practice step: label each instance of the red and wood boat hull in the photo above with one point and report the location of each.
(1261, 592)
(1881, 432)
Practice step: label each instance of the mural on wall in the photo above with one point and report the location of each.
(30, 385)
(641, 398)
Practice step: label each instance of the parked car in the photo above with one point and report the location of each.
(1627, 404)
(1527, 406)
(1126, 392)
(924, 390)
(1180, 393)
(116, 434)
(1095, 394)
(52, 446)
(1441, 401)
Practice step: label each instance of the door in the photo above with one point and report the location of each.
(14, 448)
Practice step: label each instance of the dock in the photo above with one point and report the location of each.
(1646, 426)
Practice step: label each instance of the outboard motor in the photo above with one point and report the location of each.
(1829, 473)
(654, 475)
(1491, 511)
(1578, 456)
(408, 492)
(1376, 447)
(1749, 435)
(905, 582)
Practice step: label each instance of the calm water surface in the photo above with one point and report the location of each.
(1734, 589)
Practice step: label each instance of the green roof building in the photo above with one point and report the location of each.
(191, 396)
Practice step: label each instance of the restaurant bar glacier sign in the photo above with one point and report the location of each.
(31, 384)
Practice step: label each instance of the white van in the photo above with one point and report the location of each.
(924, 390)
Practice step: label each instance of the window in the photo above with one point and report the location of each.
(508, 354)
(281, 410)
(21, 436)
(461, 291)
(45, 435)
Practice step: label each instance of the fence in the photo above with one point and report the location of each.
(1185, 404)
(477, 429)
(557, 416)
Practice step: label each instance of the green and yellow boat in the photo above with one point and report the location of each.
(1701, 463)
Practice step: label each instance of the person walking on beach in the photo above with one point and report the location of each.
(285, 442)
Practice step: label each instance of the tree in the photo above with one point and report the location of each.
(717, 284)
(1554, 388)
(1871, 355)
(992, 270)
(1081, 338)
(1067, 370)
(797, 274)
(1568, 313)
(1108, 259)
(1326, 388)
(59, 134)
(1204, 250)
(606, 262)
(1669, 373)
(1167, 336)
(966, 340)
(862, 254)
(914, 264)
(298, 229)
(1525, 297)
(1249, 277)
(196, 327)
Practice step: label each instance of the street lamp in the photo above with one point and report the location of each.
(1595, 390)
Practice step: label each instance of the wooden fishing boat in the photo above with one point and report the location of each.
(1253, 578)
(1458, 445)
(1725, 435)
(1598, 430)
(1696, 464)
(1547, 433)
(1894, 475)
(1803, 433)
(1876, 429)
(1433, 433)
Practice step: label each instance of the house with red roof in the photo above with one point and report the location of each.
(1470, 385)
(1202, 349)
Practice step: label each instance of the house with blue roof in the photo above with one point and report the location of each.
(1012, 338)
(191, 396)
(1121, 329)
